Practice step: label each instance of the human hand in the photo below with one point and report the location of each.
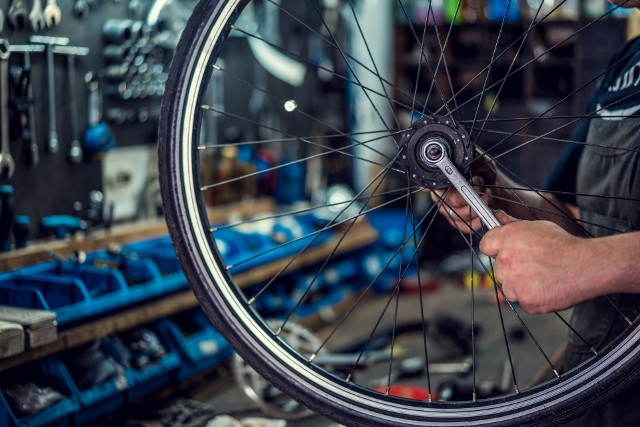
(455, 208)
(538, 264)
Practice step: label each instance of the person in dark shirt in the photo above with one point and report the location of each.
(542, 258)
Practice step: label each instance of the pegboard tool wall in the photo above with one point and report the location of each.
(53, 185)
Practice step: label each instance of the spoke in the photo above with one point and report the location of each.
(420, 296)
(493, 56)
(377, 72)
(549, 132)
(556, 213)
(314, 233)
(303, 210)
(433, 212)
(567, 141)
(426, 61)
(331, 254)
(504, 333)
(535, 58)
(332, 72)
(348, 64)
(442, 58)
(335, 46)
(513, 62)
(272, 140)
(378, 176)
(442, 199)
(313, 118)
(564, 193)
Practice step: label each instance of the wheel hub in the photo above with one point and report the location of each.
(427, 141)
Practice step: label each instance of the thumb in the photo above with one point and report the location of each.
(492, 241)
(504, 218)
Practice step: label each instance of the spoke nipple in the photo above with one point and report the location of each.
(386, 392)
(517, 389)
(229, 267)
(251, 301)
(313, 356)
(594, 351)
(556, 373)
(628, 320)
(216, 67)
(430, 398)
(205, 107)
(348, 379)
(278, 331)
(474, 398)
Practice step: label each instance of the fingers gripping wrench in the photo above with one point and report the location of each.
(7, 165)
(435, 152)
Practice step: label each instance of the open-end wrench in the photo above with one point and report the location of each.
(52, 13)
(17, 14)
(7, 165)
(434, 152)
(36, 16)
(27, 50)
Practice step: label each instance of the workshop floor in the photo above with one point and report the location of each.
(228, 398)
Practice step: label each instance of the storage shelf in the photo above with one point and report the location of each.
(361, 235)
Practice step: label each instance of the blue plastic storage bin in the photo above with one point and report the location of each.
(105, 286)
(46, 372)
(159, 373)
(66, 296)
(201, 347)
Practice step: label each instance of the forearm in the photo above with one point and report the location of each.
(612, 265)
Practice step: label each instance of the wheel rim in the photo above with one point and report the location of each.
(239, 310)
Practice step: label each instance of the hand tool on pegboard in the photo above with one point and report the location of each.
(7, 164)
(25, 106)
(36, 16)
(52, 13)
(50, 42)
(98, 137)
(75, 149)
(17, 14)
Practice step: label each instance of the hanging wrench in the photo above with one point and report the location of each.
(50, 42)
(52, 13)
(75, 150)
(17, 14)
(36, 16)
(7, 165)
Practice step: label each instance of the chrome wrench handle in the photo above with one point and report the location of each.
(435, 152)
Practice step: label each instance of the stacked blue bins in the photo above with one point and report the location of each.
(47, 372)
(201, 347)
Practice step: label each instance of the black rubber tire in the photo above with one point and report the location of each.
(600, 378)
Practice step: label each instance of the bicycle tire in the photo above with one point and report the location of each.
(206, 270)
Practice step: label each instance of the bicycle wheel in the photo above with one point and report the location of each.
(288, 101)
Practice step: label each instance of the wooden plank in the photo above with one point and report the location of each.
(37, 252)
